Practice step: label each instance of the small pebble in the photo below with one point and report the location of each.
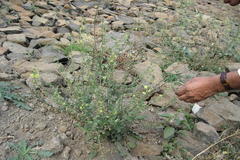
(69, 133)
(4, 108)
(43, 110)
(62, 129)
(41, 126)
(25, 128)
(233, 97)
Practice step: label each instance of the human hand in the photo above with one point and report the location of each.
(232, 2)
(199, 88)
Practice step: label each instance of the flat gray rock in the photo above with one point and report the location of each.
(23, 66)
(50, 78)
(150, 73)
(143, 149)
(189, 142)
(42, 42)
(17, 48)
(219, 113)
(17, 38)
(38, 21)
(83, 4)
(178, 68)
(121, 76)
(11, 30)
(17, 56)
(7, 77)
(4, 64)
(51, 54)
(206, 133)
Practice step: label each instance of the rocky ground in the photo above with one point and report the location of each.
(177, 40)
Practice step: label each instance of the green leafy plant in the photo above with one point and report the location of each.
(82, 47)
(6, 93)
(187, 123)
(174, 78)
(26, 152)
(169, 146)
(103, 107)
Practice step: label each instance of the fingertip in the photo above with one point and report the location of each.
(183, 98)
(180, 91)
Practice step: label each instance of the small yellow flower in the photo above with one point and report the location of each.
(35, 75)
(225, 152)
(146, 87)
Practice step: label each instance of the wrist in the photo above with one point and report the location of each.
(218, 86)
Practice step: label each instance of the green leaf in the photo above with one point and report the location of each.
(168, 132)
(178, 121)
(22, 105)
(166, 115)
(6, 92)
(45, 153)
(141, 117)
(92, 155)
(131, 145)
